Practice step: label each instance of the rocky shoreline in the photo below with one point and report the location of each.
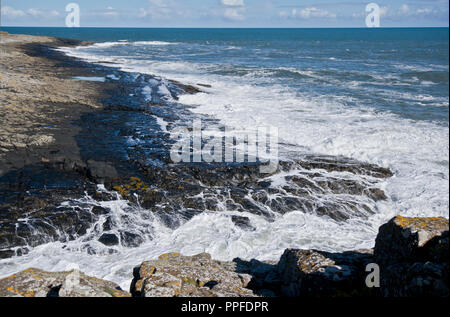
(40, 106)
(412, 255)
(61, 138)
(87, 125)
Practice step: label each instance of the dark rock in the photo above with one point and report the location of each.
(409, 240)
(413, 255)
(343, 164)
(4, 254)
(97, 210)
(436, 250)
(101, 171)
(109, 239)
(416, 280)
(322, 274)
(131, 240)
(264, 276)
(205, 85)
(108, 224)
(187, 88)
(242, 222)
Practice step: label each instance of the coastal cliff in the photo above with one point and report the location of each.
(412, 254)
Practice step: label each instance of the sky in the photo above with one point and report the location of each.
(225, 13)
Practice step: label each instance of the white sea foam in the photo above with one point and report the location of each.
(148, 93)
(214, 233)
(416, 151)
(162, 123)
(155, 43)
(109, 44)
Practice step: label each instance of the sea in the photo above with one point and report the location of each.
(379, 96)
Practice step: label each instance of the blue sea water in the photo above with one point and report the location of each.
(405, 71)
(376, 95)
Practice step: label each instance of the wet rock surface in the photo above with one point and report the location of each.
(243, 188)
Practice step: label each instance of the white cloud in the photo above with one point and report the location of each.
(233, 14)
(42, 14)
(34, 13)
(307, 13)
(11, 12)
(233, 3)
(234, 10)
(164, 9)
(426, 11)
(405, 11)
(110, 12)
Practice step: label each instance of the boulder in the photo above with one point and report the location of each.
(38, 283)
(413, 257)
(408, 240)
(322, 274)
(198, 276)
(109, 239)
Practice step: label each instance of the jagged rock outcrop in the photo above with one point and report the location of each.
(176, 275)
(38, 283)
(318, 274)
(413, 256)
(412, 240)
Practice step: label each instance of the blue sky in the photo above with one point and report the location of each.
(225, 13)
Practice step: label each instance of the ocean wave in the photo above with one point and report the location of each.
(153, 43)
(109, 44)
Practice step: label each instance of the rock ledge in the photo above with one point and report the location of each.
(412, 254)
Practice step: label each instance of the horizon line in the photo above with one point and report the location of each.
(176, 27)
